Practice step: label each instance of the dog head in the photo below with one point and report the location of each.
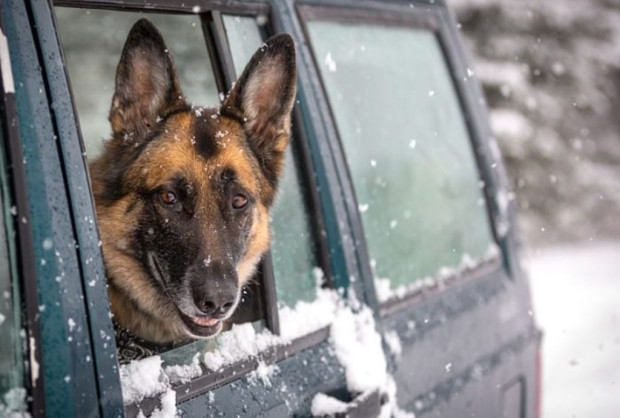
(182, 193)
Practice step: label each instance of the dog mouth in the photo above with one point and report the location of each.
(200, 327)
(205, 322)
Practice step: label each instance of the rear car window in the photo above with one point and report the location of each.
(408, 149)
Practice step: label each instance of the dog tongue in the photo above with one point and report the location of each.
(209, 322)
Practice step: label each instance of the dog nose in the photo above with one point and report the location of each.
(215, 308)
(215, 289)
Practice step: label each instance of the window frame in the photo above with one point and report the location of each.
(45, 119)
(25, 260)
(216, 41)
(431, 17)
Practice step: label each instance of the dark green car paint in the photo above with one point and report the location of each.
(82, 208)
(68, 361)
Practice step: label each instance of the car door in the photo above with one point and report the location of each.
(429, 208)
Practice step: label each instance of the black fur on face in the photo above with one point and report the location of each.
(191, 249)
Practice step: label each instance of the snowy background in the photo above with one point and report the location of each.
(551, 75)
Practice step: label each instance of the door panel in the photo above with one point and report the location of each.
(454, 316)
(287, 390)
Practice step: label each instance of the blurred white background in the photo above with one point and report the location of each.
(551, 75)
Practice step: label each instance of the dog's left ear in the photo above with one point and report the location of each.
(147, 85)
(263, 99)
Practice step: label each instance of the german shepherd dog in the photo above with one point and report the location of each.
(182, 193)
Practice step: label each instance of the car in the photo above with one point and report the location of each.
(393, 284)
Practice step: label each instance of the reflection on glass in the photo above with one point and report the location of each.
(407, 147)
(291, 234)
(244, 37)
(93, 41)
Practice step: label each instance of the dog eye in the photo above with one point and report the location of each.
(239, 201)
(167, 197)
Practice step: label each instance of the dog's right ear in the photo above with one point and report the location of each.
(147, 86)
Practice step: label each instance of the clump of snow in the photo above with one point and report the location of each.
(358, 348)
(241, 342)
(142, 379)
(323, 405)
(13, 404)
(393, 342)
(213, 360)
(391, 409)
(263, 374)
(383, 288)
(185, 372)
(357, 345)
(168, 407)
(307, 317)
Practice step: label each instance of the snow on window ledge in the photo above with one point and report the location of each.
(147, 378)
(353, 337)
(386, 293)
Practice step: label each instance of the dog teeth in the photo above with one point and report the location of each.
(209, 322)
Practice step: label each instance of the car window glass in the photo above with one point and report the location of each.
(292, 244)
(407, 147)
(11, 360)
(93, 41)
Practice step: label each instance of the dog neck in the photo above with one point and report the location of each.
(130, 347)
(128, 316)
